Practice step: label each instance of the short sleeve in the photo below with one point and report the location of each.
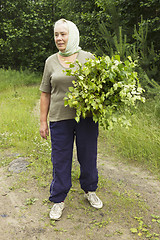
(45, 84)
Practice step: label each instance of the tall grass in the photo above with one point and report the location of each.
(140, 143)
(18, 126)
(19, 121)
(13, 79)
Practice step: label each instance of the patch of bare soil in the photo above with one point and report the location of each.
(24, 210)
(134, 178)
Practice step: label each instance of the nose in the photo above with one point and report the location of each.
(59, 37)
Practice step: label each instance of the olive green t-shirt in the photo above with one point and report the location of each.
(56, 82)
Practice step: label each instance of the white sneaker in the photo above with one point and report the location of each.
(56, 211)
(93, 199)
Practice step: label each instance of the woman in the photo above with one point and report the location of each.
(63, 127)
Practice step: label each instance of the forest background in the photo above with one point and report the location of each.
(128, 28)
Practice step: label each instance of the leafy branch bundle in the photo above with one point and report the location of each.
(106, 87)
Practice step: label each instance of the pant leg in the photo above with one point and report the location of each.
(62, 138)
(86, 142)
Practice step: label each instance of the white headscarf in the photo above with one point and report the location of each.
(73, 40)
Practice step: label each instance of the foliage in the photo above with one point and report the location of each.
(147, 56)
(107, 88)
(148, 59)
(143, 230)
(26, 34)
(131, 12)
(114, 44)
(85, 14)
(27, 27)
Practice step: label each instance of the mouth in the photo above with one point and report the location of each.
(60, 44)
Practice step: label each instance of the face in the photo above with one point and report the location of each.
(61, 35)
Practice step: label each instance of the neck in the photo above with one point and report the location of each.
(65, 61)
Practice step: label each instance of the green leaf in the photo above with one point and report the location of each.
(105, 87)
(77, 119)
(130, 59)
(154, 220)
(144, 230)
(155, 216)
(133, 230)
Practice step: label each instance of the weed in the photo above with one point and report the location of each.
(70, 216)
(52, 222)
(30, 201)
(25, 190)
(155, 218)
(100, 224)
(117, 232)
(12, 188)
(60, 230)
(45, 202)
(143, 230)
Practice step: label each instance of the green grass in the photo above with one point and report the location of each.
(18, 126)
(14, 79)
(19, 118)
(140, 144)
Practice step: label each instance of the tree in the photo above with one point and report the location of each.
(132, 30)
(85, 14)
(27, 27)
(26, 33)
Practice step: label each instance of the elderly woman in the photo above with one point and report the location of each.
(63, 127)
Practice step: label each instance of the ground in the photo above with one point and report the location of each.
(131, 198)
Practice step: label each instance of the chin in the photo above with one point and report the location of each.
(62, 50)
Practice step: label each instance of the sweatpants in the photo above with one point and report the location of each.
(63, 133)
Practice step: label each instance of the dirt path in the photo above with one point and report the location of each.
(24, 210)
(133, 178)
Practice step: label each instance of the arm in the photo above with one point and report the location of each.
(44, 109)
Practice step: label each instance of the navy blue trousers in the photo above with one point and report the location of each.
(63, 134)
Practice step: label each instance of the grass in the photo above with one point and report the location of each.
(140, 144)
(12, 79)
(18, 127)
(19, 132)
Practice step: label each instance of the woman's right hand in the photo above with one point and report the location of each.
(44, 131)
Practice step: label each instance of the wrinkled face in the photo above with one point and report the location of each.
(61, 35)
